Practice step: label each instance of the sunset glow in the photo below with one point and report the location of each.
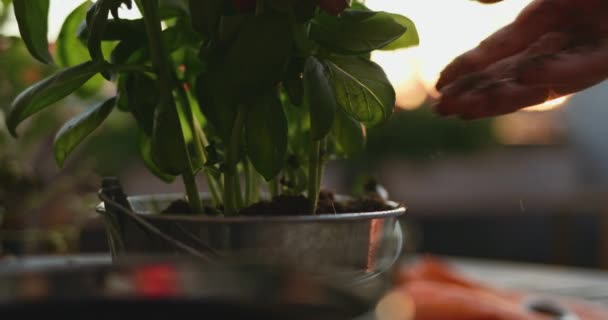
(548, 105)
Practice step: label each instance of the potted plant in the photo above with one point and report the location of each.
(250, 94)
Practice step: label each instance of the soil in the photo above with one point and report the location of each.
(178, 206)
(182, 206)
(297, 205)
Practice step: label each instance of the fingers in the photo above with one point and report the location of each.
(568, 71)
(483, 93)
(539, 18)
(494, 99)
(548, 69)
(547, 46)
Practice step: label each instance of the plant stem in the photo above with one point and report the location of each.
(313, 176)
(192, 192)
(199, 142)
(163, 67)
(252, 187)
(274, 188)
(238, 192)
(232, 159)
(248, 182)
(322, 160)
(187, 111)
(255, 187)
(291, 181)
(215, 184)
(229, 205)
(213, 188)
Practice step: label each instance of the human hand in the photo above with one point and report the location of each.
(553, 48)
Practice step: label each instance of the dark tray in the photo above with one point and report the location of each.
(169, 287)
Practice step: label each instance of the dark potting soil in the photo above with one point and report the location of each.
(178, 206)
(182, 206)
(368, 203)
(297, 205)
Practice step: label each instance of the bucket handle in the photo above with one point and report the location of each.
(116, 206)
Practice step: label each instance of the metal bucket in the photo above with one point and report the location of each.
(359, 249)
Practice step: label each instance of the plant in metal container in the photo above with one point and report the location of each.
(250, 94)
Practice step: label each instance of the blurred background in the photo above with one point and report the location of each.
(530, 186)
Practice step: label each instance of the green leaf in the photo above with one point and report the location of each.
(355, 31)
(142, 96)
(194, 145)
(71, 51)
(255, 62)
(356, 5)
(193, 65)
(259, 54)
(116, 30)
(229, 26)
(78, 128)
(305, 10)
(145, 150)
(168, 145)
(349, 135)
(96, 23)
(298, 124)
(216, 103)
(173, 8)
(302, 41)
(97, 19)
(121, 29)
(266, 135)
(293, 81)
(180, 36)
(122, 100)
(32, 19)
(48, 91)
(362, 89)
(318, 97)
(408, 39)
(133, 51)
(205, 15)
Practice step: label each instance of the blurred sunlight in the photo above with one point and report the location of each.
(446, 29)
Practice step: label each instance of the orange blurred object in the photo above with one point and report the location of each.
(440, 293)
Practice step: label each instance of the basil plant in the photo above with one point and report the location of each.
(244, 92)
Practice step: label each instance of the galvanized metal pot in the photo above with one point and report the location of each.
(358, 249)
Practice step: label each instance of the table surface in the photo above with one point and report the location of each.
(587, 284)
(590, 285)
